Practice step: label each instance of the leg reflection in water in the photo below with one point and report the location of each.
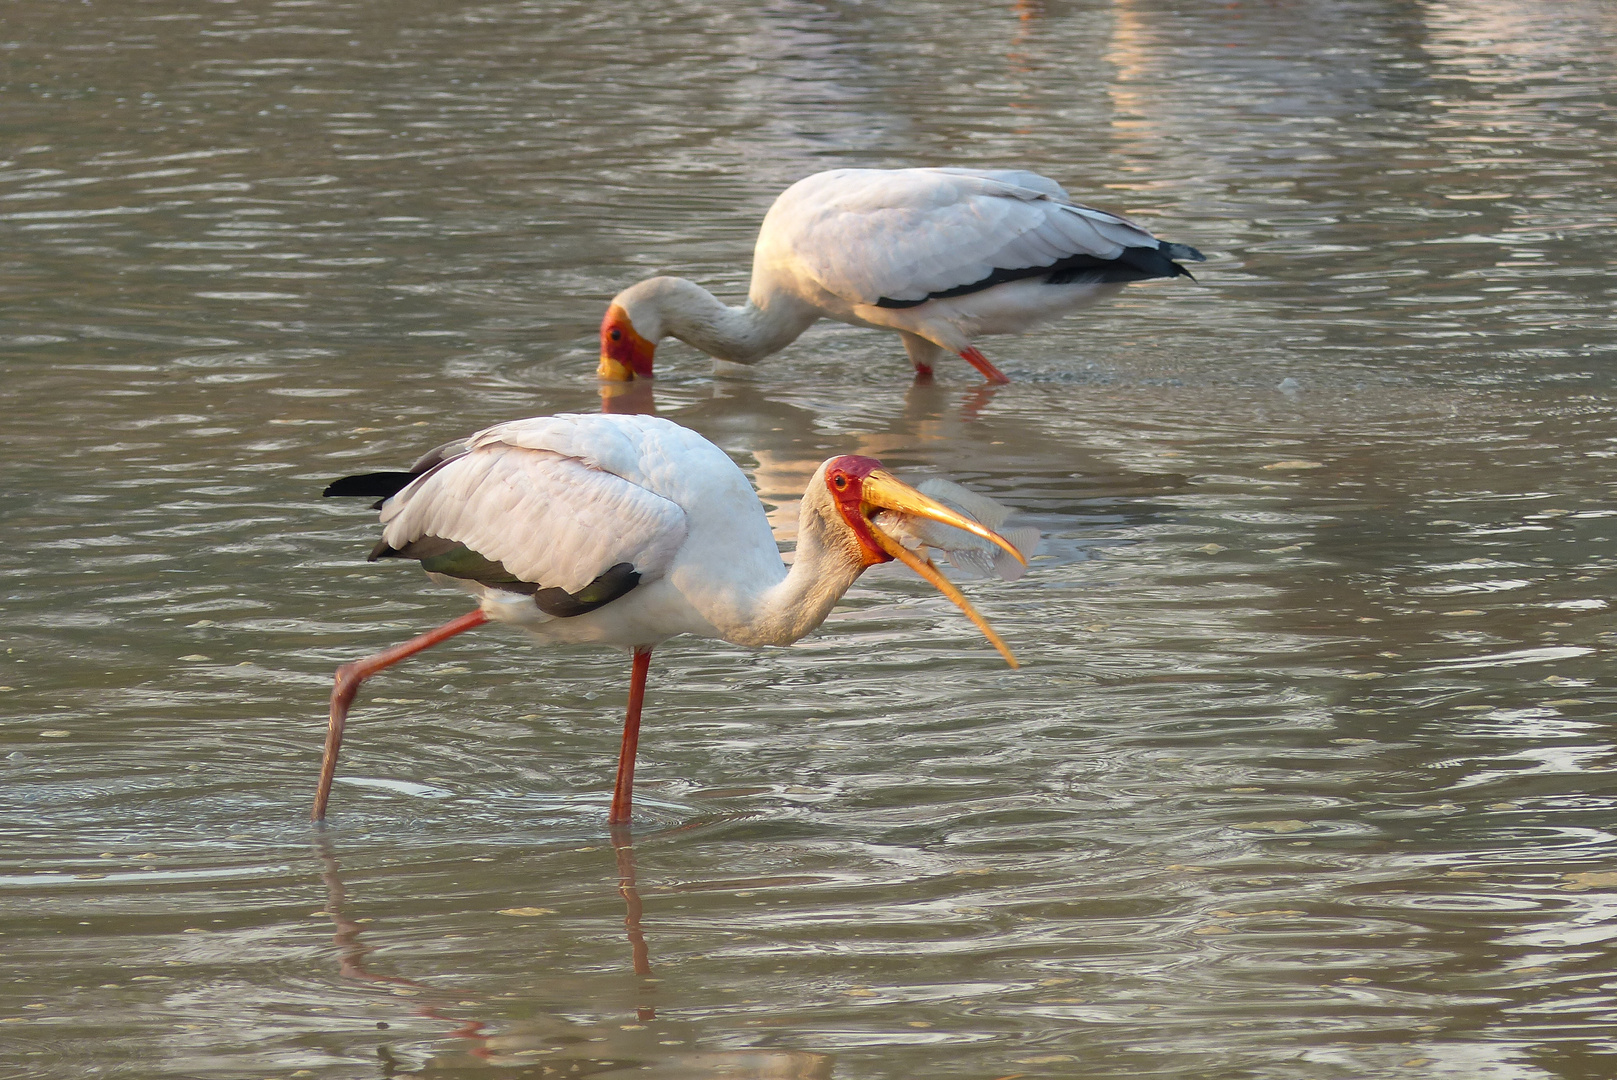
(548, 1041)
(623, 845)
(351, 951)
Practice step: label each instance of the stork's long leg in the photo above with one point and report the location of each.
(623, 791)
(977, 360)
(346, 685)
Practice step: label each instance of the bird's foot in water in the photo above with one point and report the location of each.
(977, 360)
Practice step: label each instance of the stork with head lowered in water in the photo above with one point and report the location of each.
(942, 256)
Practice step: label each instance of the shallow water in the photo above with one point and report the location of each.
(1307, 773)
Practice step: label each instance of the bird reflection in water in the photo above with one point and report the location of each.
(550, 1046)
(931, 413)
(923, 397)
(630, 398)
(639, 398)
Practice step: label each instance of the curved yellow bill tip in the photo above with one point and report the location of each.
(944, 586)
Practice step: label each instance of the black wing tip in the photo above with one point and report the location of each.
(1181, 251)
(369, 485)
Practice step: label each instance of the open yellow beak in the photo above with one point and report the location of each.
(884, 491)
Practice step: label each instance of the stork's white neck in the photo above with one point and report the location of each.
(828, 561)
(741, 335)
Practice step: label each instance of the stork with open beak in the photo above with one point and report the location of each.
(628, 530)
(943, 256)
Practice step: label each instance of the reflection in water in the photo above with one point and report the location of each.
(623, 845)
(778, 430)
(636, 396)
(556, 1044)
(1312, 759)
(351, 952)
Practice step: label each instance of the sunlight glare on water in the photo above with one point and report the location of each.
(1307, 773)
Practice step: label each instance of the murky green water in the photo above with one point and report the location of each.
(1310, 769)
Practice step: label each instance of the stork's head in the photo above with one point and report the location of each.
(630, 331)
(860, 489)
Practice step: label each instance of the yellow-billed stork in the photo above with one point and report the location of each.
(943, 256)
(628, 530)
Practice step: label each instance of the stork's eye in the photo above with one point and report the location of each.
(615, 334)
(840, 481)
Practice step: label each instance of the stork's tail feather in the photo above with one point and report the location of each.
(1165, 254)
(1181, 251)
(375, 485)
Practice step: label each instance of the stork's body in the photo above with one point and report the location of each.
(626, 531)
(943, 256)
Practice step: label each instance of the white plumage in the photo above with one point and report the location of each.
(628, 530)
(559, 509)
(864, 235)
(940, 255)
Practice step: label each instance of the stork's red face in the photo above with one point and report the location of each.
(845, 477)
(861, 488)
(624, 353)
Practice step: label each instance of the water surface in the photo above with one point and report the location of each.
(1308, 772)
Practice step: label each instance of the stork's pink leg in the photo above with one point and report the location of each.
(623, 791)
(346, 685)
(977, 360)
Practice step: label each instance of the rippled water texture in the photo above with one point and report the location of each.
(1308, 772)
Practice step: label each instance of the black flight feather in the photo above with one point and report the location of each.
(1134, 264)
(453, 559)
(615, 582)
